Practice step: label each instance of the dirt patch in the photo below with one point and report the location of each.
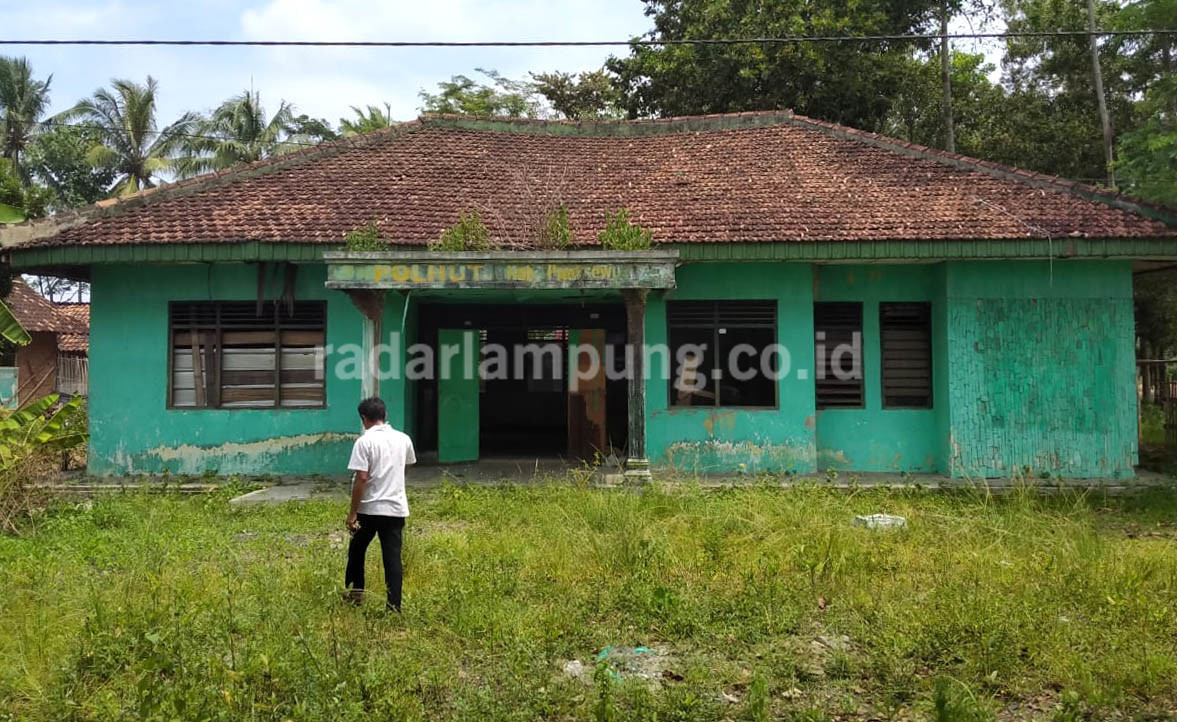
(819, 655)
(654, 665)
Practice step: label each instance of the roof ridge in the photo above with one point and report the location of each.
(611, 126)
(19, 233)
(1116, 199)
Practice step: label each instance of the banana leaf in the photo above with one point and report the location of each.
(10, 328)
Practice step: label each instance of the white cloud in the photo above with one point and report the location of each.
(328, 80)
(322, 82)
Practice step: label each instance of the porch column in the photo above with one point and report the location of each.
(371, 304)
(637, 466)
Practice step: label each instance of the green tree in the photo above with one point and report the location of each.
(1147, 150)
(23, 101)
(59, 157)
(20, 200)
(129, 142)
(978, 104)
(591, 95)
(306, 129)
(1147, 164)
(1053, 77)
(238, 131)
(502, 97)
(367, 120)
(837, 82)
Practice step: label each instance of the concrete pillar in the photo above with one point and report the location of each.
(371, 304)
(637, 466)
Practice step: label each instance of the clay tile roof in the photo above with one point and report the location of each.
(742, 177)
(34, 311)
(76, 334)
(74, 342)
(78, 313)
(71, 321)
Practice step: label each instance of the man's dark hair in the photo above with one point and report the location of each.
(372, 409)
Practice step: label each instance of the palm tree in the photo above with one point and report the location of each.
(367, 121)
(22, 101)
(239, 132)
(124, 117)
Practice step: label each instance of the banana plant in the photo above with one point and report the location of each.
(10, 328)
(35, 428)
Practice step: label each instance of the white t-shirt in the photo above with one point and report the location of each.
(382, 451)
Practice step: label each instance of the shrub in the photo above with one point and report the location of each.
(621, 235)
(468, 234)
(30, 441)
(365, 239)
(555, 231)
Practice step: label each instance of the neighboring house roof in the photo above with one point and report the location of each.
(79, 314)
(745, 177)
(74, 342)
(34, 311)
(71, 322)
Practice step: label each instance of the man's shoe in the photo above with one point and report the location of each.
(355, 597)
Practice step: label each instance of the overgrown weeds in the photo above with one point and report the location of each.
(32, 440)
(765, 604)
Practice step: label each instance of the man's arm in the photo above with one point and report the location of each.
(357, 493)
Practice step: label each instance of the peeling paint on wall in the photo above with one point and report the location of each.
(239, 457)
(132, 429)
(716, 456)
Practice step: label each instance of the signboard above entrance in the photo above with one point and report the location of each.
(501, 269)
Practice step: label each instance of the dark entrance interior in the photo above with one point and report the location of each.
(525, 414)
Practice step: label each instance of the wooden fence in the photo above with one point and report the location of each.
(73, 375)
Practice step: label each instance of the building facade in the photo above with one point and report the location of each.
(901, 310)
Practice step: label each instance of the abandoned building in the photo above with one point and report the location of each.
(911, 310)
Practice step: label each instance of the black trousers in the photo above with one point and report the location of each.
(391, 531)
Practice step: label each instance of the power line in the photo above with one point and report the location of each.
(643, 42)
(89, 126)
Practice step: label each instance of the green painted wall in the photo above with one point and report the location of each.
(873, 438)
(1043, 368)
(132, 431)
(1033, 368)
(703, 440)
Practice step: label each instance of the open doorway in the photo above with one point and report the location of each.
(522, 407)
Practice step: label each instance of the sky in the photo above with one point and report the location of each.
(322, 82)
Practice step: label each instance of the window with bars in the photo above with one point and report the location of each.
(905, 335)
(723, 353)
(225, 354)
(837, 331)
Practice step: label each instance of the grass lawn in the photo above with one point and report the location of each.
(758, 603)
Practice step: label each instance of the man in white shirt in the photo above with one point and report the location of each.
(378, 502)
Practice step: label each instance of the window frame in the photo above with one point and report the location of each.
(218, 330)
(862, 385)
(715, 326)
(931, 404)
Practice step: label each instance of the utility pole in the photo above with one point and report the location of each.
(946, 82)
(1104, 120)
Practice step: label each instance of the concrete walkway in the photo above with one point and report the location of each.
(494, 472)
(500, 472)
